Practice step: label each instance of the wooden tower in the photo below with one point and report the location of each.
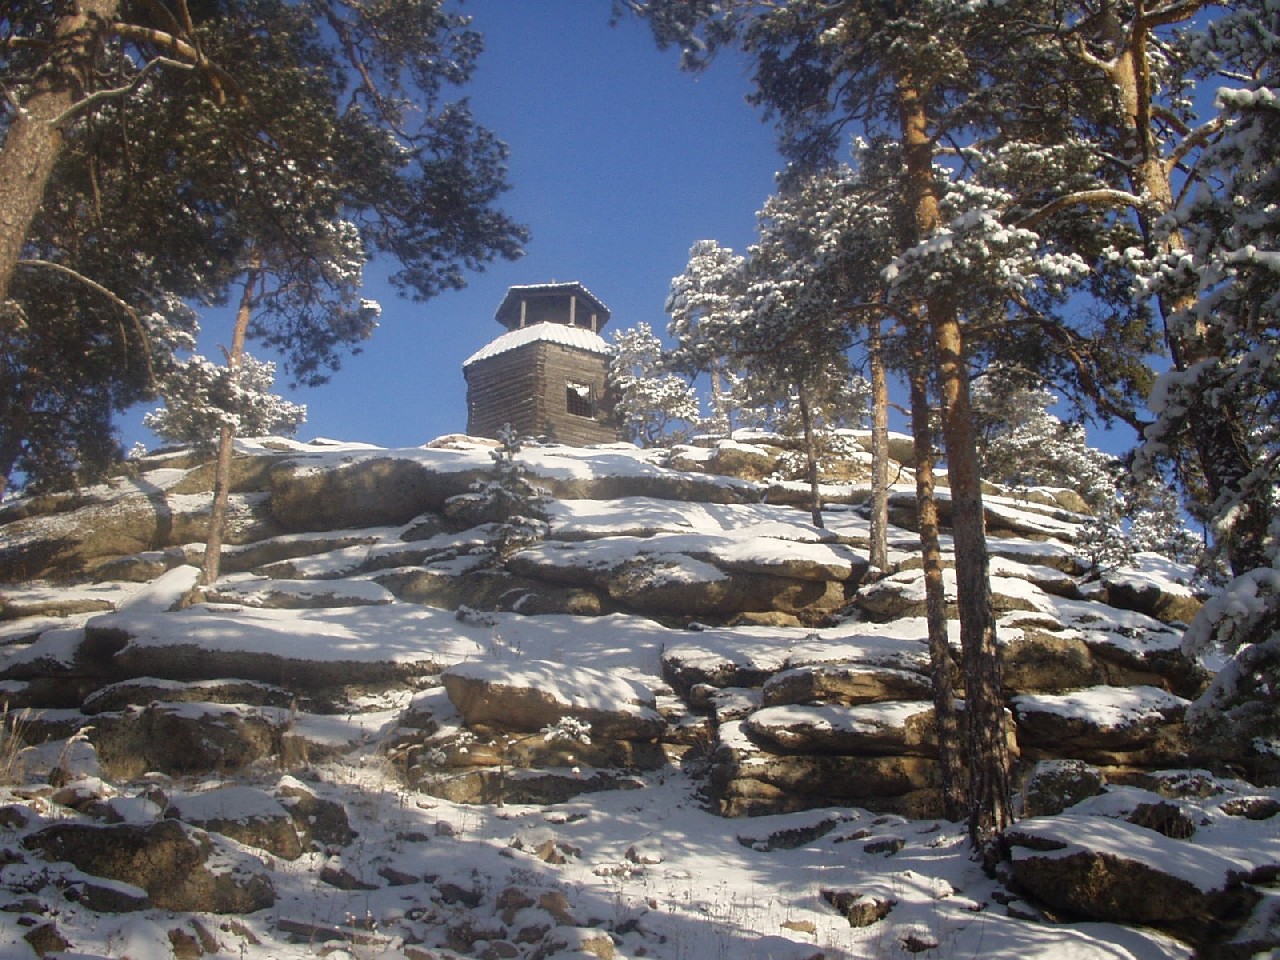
(546, 375)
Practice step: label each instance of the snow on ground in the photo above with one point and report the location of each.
(1150, 570)
(1104, 706)
(582, 519)
(668, 879)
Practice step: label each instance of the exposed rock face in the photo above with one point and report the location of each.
(1041, 660)
(371, 493)
(844, 683)
(145, 690)
(748, 781)
(79, 542)
(1164, 605)
(1052, 786)
(679, 575)
(167, 860)
(899, 728)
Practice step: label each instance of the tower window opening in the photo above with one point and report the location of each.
(578, 399)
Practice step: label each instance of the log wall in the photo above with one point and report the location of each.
(527, 388)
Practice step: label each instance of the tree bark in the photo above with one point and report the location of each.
(990, 802)
(811, 458)
(34, 139)
(942, 667)
(879, 551)
(227, 441)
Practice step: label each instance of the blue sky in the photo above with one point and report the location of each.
(619, 162)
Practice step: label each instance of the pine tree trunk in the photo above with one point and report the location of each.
(719, 402)
(16, 419)
(941, 665)
(990, 803)
(34, 139)
(879, 453)
(811, 458)
(226, 442)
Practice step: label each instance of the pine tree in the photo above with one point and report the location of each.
(1231, 281)
(1124, 72)
(701, 301)
(288, 142)
(1024, 445)
(506, 498)
(201, 396)
(920, 73)
(649, 399)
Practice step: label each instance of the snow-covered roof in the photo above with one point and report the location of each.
(508, 310)
(559, 333)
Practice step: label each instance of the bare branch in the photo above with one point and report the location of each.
(1195, 138)
(180, 48)
(1175, 12)
(1102, 197)
(1074, 348)
(98, 96)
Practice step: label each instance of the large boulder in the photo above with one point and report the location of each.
(528, 696)
(180, 868)
(723, 658)
(1163, 595)
(749, 780)
(493, 589)
(141, 691)
(1098, 868)
(1037, 656)
(902, 594)
(1110, 726)
(696, 576)
(188, 738)
(497, 786)
(677, 585)
(895, 728)
(247, 815)
(700, 575)
(1051, 786)
(381, 491)
(80, 542)
(848, 683)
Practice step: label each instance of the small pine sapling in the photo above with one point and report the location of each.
(506, 498)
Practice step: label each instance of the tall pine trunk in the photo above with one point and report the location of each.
(990, 802)
(811, 457)
(879, 452)
(227, 441)
(941, 666)
(34, 139)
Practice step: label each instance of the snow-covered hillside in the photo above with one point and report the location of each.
(685, 723)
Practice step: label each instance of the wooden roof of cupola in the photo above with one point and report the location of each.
(570, 303)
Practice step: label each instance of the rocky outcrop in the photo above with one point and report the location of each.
(177, 867)
(1109, 726)
(772, 716)
(525, 698)
(1098, 868)
(526, 738)
(180, 739)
